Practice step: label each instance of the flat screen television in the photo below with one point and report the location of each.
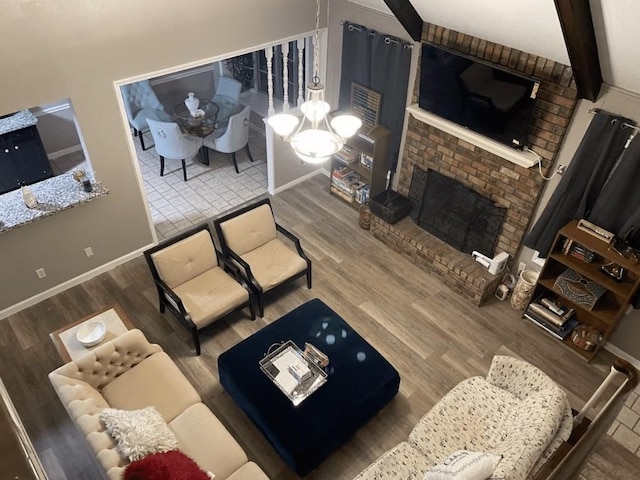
(483, 97)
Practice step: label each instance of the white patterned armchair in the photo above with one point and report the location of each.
(516, 412)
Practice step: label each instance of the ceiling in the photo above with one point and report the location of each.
(533, 26)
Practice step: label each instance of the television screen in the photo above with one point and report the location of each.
(483, 97)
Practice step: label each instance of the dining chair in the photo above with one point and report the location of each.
(141, 103)
(234, 138)
(228, 87)
(195, 282)
(172, 143)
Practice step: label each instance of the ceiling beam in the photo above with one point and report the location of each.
(580, 39)
(407, 16)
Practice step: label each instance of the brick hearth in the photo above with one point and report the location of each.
(508, 185)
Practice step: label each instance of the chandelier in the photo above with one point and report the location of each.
(315, 139)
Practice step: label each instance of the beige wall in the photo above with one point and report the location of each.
(63, 49)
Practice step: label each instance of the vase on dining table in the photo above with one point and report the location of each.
(192, 103)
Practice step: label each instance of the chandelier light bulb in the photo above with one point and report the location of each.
(315, 110)
(316, 146)
(346, 125)
(283, 123)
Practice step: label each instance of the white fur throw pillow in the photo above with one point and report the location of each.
(464, 465)
(138, 432)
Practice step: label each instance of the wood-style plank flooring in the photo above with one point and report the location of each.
(434, 337)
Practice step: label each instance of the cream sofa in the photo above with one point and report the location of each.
(516, 411)
(130, 373)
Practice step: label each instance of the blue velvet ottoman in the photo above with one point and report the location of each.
(360, 382)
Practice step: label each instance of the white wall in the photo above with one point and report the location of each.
(60, 49)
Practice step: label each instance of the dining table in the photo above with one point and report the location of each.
(211, 115)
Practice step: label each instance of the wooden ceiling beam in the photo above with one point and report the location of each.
(407, 16)
(580, 39)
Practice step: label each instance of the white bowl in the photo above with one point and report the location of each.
(91, 333)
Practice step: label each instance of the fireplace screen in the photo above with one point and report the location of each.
(454, 213)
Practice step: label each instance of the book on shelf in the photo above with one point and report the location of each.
(549, 316)
(582, 253)
(366, 160)
(362, 194)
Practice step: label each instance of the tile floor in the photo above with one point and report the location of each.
(626, 428)
(210, 190)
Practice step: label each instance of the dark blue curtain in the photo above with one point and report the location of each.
(379, 62)
(582, 185)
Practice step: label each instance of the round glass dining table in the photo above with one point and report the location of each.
(213, 115)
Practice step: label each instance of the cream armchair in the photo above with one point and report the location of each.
(194, 281)
(516, 412)
(249, 237)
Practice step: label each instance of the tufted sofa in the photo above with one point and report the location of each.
(130, 373)
(516, 411)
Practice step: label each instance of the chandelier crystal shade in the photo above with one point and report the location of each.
(315, 139)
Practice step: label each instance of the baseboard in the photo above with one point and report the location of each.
(623, 355)
(29, 302)
(64, 151)
(297, 181)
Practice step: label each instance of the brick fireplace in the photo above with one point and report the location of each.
(508, 185)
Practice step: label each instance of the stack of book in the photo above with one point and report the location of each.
(362, 194)
(348, 154)
(345, 183)
(555, 319)
(569, 247)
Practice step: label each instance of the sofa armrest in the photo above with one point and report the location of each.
(102, 365)
(467, 417)
(518, 377)
(527, 432)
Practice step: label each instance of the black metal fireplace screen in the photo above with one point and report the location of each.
(455, 214)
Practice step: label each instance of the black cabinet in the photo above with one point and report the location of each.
(23, 159)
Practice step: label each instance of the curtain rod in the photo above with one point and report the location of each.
(593, 111)
(388, 39)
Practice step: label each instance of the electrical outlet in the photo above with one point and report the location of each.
(561, 169)
(41, 273)
(88, 252)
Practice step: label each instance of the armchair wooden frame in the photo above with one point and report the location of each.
(168, 299)
(246, 268)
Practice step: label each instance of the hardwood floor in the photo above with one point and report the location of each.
(434, 338)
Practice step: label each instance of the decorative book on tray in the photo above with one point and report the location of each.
(296, 375)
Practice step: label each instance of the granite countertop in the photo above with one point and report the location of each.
(54, 195)
(22, 119)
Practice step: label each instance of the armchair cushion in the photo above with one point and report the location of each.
(250, 230)
(138, 388)
(210, 296)
(186, 259)
(274, 262)
(403, 461)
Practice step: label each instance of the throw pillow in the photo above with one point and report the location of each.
(172, 465)
(464, 465)
(138, 432)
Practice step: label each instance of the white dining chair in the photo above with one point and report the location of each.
(141, 103)
(228, 87)
(172, 143)
(234, 138)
